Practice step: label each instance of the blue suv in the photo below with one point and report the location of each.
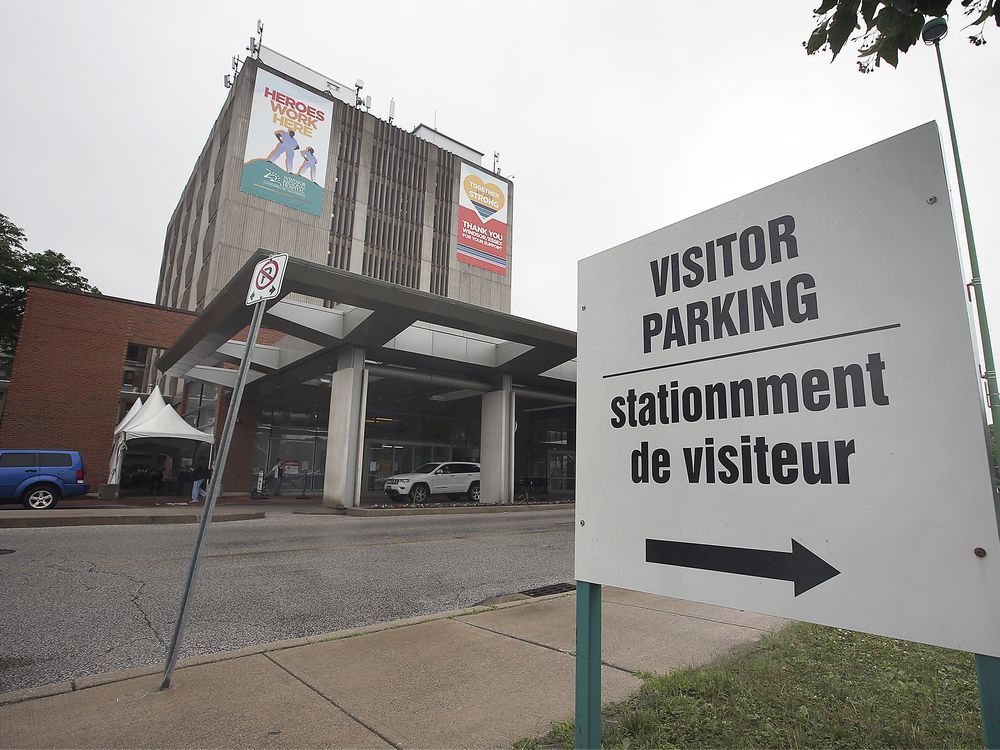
(39, 479)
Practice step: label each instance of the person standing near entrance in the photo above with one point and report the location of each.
(156, 477)
(168, 474)
(276, 474)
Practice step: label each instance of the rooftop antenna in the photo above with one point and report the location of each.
(254, 46)
(230, 79)
(392, 110)
(253, 50)
(358, 85)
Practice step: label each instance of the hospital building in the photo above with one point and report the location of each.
(392, 343)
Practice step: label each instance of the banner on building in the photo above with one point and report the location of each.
(482, 220)
(288, 144)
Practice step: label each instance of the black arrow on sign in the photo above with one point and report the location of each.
(800, 565)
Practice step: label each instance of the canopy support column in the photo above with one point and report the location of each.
(346, 431)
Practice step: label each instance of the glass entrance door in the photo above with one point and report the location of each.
(383, 462)
(562, 472)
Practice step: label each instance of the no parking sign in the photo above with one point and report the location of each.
(265, 282)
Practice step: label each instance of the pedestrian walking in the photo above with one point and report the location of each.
(199, 477)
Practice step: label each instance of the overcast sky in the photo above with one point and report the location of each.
(614, 118)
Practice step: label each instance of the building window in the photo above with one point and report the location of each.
(136, 356)
(202, 400)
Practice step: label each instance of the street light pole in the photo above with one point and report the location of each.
(987, 667)
(934, 31)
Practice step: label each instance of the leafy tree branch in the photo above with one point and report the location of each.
(883, 29)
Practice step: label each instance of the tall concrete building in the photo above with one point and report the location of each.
(391, 344)
(295, 164)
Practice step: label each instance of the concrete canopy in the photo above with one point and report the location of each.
(400, 329)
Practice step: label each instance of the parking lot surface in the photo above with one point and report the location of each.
(84, 600)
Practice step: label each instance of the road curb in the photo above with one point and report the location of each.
(107, 678)
(55, 518)
(381, 512)
(35, 693)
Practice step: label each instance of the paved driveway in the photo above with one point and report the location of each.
(85, 600)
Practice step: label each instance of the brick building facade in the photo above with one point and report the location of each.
(66, 384)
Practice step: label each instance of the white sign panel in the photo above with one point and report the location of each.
(267, 277)
(780, 411)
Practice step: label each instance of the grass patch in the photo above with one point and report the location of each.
(805, 686)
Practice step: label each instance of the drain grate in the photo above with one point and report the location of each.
(6, 552)
(555, 588)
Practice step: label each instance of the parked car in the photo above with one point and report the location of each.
(451, 478)
(40, 478)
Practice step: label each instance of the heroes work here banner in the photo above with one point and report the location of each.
(287, 144)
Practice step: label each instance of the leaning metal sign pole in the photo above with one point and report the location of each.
(213, 494)
(264, 284)
(755, 386)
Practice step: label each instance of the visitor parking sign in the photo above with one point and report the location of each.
(779, 407)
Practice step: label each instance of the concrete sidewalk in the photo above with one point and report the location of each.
(472, 678)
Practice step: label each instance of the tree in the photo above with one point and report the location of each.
(890, 26)
(18, 268)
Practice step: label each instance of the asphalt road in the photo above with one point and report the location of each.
(86, 600)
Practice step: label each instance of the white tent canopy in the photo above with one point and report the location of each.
(166, 424)
(153, 404)
(136, 406)
(153, 420)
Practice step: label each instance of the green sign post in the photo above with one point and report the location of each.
(588, 665)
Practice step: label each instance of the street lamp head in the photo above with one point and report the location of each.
(934, 31)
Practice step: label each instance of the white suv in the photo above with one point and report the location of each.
(451, 478)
